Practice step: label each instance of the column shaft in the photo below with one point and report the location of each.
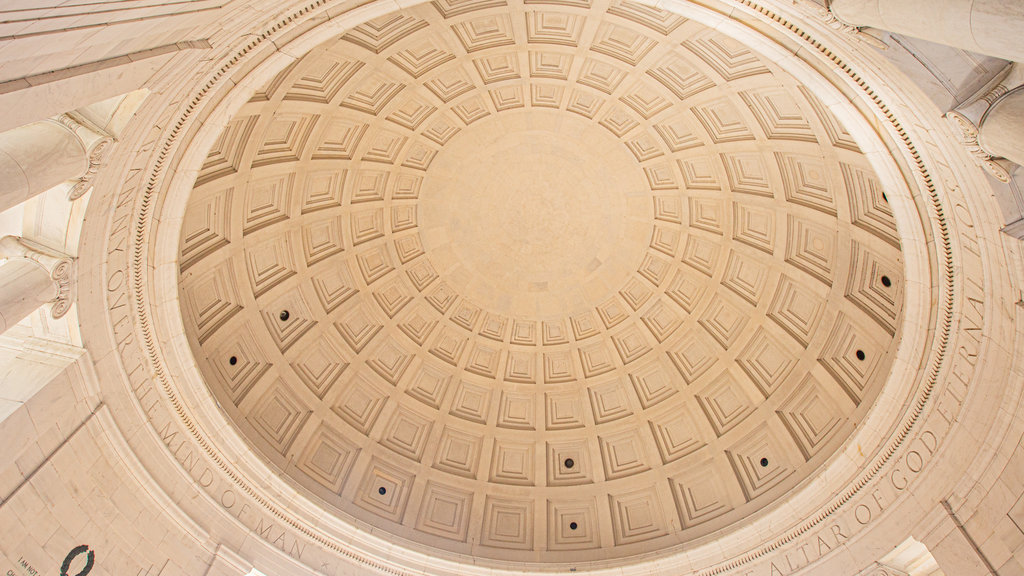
(24, 287)
(37, 157)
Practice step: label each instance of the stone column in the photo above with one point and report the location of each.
(31, 277)
(991, 27)
(991, 122)
(1002, 126)
(41, 155)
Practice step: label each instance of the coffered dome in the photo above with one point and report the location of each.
(540, 282)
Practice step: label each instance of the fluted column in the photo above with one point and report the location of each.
(41, 155)
(31, 277)
(991, 27)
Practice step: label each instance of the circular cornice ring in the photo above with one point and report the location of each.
(157, 184)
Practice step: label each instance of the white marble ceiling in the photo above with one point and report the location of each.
(540, 281)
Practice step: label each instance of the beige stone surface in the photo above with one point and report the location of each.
(535, 214)
(650, 239)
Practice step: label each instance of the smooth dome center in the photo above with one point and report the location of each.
(536, 214)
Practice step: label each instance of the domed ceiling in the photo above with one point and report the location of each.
(540, 282)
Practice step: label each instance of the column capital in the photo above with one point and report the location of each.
(96, 143)
(880, 569)
(997, 167)
(60, 268)
(857, 32)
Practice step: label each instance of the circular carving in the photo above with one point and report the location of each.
(75, 552)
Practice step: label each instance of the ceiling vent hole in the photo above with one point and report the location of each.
(233, 360)
(886, 281)
(284, 315)
(764, 462)
(860, 355)
(569, 463)
(382, 490)
(573, 525)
